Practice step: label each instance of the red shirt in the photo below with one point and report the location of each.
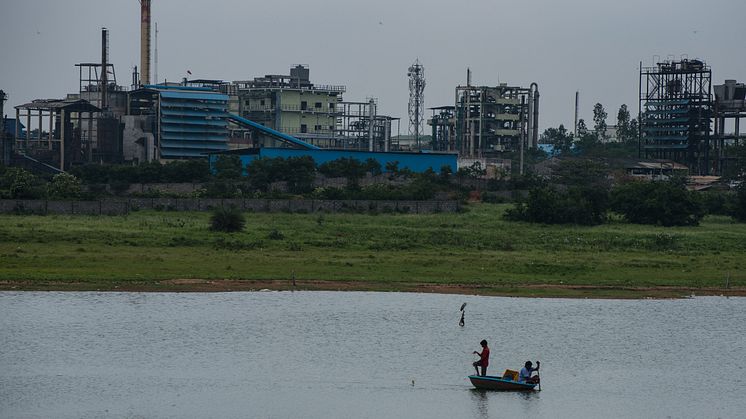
(484, 357)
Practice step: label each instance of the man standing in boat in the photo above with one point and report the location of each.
(525, 375)
(484, 358)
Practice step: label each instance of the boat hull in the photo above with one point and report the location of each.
(489, 382)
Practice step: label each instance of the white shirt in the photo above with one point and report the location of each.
(524, 375)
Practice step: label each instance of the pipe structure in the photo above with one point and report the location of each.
(371, 122)
(5, 159)
(145, 42)
(535, 115)
(104, 69)
(527, 133)
(577, 103)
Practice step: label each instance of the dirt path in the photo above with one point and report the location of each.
(229, 285)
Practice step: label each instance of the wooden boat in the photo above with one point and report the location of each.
(489, 382)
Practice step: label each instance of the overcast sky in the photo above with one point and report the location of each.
(594, 46)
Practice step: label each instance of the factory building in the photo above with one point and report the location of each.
(291, 103)
(186, 122)
(492, 121)
(676, 111)
(487, 122)
(730, 109)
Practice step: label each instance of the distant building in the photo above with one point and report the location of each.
(655, 169)
(175, 122)
(290, 103)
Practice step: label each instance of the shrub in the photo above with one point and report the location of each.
(349, 168)
(739, 205)
(17, 183)
(717, 202)
(659, 203)
(228, 166)
(64, 185)
(227, 220)
(547, 205)
(275, 234)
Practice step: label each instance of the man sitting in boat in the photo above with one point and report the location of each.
(525, 375)
(484, 358)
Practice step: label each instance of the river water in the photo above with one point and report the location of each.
(364, 355)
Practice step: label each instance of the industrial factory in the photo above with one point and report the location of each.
(682, 117)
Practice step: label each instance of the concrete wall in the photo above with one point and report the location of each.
(138, 142)
(125, 205)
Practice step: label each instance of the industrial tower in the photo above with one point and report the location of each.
(675, 113)
(416, 74)
(145, 42)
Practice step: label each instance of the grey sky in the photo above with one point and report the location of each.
(594, 46)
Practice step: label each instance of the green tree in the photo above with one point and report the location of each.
(351, 169)
(581, 196)
(739, 207)
(178, 171)
(599, 121)
(228, 166)
(64, 186)
(623, 128)
(735, 166)
(558, 137)
(299, 173)
(582, 128)
(586, 139)
(666, 203)
(373, 167)
(17, 183)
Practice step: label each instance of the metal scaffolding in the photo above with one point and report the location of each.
(730, 107)
(675, 111)
(490, 121)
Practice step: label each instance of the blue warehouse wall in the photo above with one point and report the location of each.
(193, 122)
(416, 162)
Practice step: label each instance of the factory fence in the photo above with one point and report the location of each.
(126, 205)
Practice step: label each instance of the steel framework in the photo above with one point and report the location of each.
(416, 74)
(675, 111)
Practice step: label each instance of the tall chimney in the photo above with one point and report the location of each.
(104, 68)
(145, 42)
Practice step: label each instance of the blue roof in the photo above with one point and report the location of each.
(175, 94)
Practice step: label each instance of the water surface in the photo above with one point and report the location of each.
(364, 355)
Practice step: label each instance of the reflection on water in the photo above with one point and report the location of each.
(362, 355)
(479, 397)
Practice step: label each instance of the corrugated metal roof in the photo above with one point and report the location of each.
(175, 94)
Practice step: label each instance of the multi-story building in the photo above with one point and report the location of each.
(291, 104)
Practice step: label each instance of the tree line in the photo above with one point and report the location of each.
(581, 192)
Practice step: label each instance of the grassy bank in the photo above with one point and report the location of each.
(472, 252)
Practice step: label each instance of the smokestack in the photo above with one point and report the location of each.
(575, 126)
(104, 68)
(144, 42)
(535, 115)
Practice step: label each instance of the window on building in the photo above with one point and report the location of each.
(317, 105)
(331, 107)
(261, 102)
(317, 127)
(303, 128)
(303, 105)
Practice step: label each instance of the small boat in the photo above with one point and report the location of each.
(488, 382)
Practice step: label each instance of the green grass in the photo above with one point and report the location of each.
(390, 251)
